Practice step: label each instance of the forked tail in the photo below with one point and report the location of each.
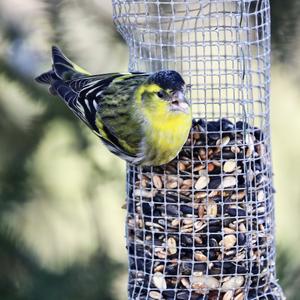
(62, 68)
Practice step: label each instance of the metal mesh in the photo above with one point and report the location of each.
(202, 226)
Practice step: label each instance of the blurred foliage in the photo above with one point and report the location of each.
(285, 15)
(61, 229)
(57, 184)
(289, 273)
(21, 278)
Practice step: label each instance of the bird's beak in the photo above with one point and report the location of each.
(179, 102)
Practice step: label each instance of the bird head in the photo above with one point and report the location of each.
(165, 91)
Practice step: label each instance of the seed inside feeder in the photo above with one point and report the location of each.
(229, 166)
(159, 281)
(197, 220)
(202, 182)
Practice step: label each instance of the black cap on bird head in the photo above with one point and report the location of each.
(167, 80)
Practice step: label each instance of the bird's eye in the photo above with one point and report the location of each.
(160, 94)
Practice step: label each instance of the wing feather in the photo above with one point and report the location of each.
(83, 93)
(83, 96)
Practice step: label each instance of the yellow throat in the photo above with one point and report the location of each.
(166, 133)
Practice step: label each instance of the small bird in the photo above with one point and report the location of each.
(144, 118)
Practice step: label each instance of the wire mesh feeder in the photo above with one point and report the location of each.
(202, 226)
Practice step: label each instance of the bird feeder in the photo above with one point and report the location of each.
(202, 226)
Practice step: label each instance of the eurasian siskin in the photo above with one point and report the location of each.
(141, 117)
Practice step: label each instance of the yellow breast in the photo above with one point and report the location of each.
(166, 135)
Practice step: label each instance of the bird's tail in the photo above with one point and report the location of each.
(62, 68)
(45, 78)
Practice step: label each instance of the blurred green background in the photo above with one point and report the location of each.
(61, 222)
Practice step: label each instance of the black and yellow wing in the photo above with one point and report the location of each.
(103, 102)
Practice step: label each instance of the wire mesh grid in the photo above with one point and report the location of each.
(202, 226)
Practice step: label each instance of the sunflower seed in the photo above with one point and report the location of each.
(229, 166)
(157, 181)
(159, 281)
(250, 143)
(235, 149)
(188, 183)
(240, 296)
(233, 283)
(172, 184)
(202, 182)
(200, 256)
(229, 241)
(181, 166)
(223, 142)
(261, 196)
(212, 209)
(227, 182)
(228, 295)
(172, 249)
(203, 282)
(155, 295)
(242, 228)
(185, 282)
